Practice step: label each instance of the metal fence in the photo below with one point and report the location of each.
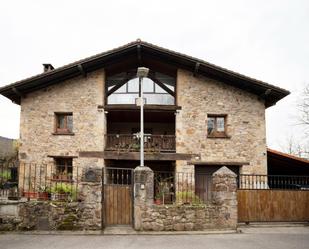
(285, 182)
(181, 187)
(32, 181)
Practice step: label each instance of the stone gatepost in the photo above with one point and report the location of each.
(143, 193)
(90, 194)
(224, 196)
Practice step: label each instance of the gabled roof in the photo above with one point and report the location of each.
(141, 49)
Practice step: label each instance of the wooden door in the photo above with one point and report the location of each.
(118, 196)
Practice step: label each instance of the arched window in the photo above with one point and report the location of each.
(124, 88)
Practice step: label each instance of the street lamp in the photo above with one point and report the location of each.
(141, 73)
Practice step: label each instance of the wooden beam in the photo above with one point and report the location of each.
(218, 163)
(81, 69)
(265, 94)
(57, 156)
(17, 92)
(120, 107)
(164, 87)
(196, 68)
(136, 155)
(139, 54)
(124, 81)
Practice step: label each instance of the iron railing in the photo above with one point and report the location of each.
(118, 176)
(32, 181)
(288, 182)
(131, 142)
(181, 187)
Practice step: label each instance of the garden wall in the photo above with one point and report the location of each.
(84, 214)
(219, 213)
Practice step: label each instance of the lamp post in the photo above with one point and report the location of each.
(141, 73)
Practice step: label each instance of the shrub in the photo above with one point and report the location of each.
(187, 197)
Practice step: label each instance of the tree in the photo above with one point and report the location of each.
(300, 146)
(293, 147)
(304, 108)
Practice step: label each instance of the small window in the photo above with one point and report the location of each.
(216, 126)
(64, 169)
(64, 123)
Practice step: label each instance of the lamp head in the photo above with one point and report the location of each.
(142, 72)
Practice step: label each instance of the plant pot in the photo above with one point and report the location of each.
(59, 196)
(157, 201)
(31, 195)
(43, 196)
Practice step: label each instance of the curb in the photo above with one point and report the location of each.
(116, 233)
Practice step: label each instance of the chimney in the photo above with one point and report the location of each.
(47, 67)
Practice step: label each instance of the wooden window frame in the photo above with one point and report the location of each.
(217, 134)
(65, 131)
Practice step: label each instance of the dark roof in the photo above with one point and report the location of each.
(288, 158)
(270, 93)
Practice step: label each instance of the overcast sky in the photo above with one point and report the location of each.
(265, 39)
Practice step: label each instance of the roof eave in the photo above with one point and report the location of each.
(89, 64)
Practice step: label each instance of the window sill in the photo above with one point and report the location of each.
(64, 133)
(219, 136)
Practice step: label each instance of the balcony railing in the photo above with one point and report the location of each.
(131, 142)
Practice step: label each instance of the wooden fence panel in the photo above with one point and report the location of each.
(272, 205)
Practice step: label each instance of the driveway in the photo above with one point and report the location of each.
(272, 238)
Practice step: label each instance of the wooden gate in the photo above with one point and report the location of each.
(117, 196)
(273, 205)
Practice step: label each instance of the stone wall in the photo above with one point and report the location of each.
(35, 215)
(219, 213)
(199, 96)
(82, 214)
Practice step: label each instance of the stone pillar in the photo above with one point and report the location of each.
(143, 193)
(90, 196)
(224, 195)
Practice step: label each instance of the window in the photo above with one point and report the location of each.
(159, 89)
(64, 123)
(216, 126)
(64, 169)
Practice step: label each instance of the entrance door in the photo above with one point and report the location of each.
(117, 196)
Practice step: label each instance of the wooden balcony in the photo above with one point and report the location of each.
(131, 142)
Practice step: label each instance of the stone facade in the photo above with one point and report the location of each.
(219, 213)
(199, 96)
(81, 96)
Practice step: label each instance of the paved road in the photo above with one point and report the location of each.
(265, 238)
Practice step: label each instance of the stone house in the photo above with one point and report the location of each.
(198, 116)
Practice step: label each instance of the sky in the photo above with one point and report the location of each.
(265, 39)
